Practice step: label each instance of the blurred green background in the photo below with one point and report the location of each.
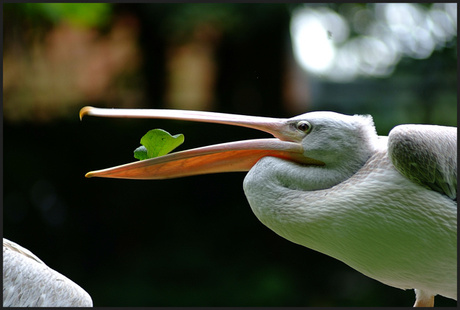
(194, 241)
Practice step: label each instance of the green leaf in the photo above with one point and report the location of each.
(157, 142)
(141, 153)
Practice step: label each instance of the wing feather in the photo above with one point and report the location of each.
(427, 155)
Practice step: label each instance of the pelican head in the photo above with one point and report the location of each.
(342, 142)
(336, 141)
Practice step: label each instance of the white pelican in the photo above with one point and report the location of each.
(386, 206)
(28, 282)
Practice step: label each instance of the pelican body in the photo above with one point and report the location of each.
(385, 206)
(29, 282)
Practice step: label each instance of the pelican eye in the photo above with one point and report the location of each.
(303, 126)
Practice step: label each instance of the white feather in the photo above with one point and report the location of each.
(28, 282)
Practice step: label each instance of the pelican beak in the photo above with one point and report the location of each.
(226, 157)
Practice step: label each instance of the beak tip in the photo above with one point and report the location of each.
(85, 111)
(89, 175)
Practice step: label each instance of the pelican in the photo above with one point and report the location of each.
(29, 282)
(384, 205)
